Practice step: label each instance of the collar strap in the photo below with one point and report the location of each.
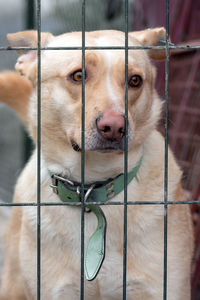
(69, 191)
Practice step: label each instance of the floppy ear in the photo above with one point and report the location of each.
(26, 64)
(151, 37)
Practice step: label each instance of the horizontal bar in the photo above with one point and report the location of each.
(102, 48)
(100, 203)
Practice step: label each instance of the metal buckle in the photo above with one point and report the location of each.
(54, 182)
(54, 185)
(87, 209)
(63, 179)
(78, 191)
(89, 192)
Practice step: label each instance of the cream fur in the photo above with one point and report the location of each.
(60, 226)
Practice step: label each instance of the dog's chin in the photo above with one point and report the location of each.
(108, 149)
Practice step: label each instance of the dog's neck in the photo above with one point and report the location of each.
(98, 166)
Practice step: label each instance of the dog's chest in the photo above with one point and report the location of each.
(61, 251)
(65, 251)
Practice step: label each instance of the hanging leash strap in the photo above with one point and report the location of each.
(95, 252)
(99, 192)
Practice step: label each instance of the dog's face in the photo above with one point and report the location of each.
(61, 90)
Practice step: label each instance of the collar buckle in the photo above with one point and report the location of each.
(54, 185)
(87, 194)
(63, 179)
(78, 191)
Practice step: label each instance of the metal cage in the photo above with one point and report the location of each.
(164, 202)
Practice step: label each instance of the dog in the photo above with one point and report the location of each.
(61, 152)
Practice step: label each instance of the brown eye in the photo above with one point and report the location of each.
(135, 81)
(77, 76)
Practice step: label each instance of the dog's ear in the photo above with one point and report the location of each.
(27, 62)
(28, 39)
(152, 37)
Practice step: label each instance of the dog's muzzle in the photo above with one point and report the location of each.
(107, 134)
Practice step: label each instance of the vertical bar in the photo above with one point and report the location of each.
(29, 24)
(82, 152)
(30, 14)
(166, 152)
(38, 148)
(125, 153)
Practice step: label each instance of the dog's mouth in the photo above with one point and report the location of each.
(75, 146)
(101, 146)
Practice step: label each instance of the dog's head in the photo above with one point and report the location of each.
(61, 90)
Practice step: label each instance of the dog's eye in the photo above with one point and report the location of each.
(77, 76)
(135, 81)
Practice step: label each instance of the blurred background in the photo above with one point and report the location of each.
(184, 81)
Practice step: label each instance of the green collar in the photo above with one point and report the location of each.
(99, 192)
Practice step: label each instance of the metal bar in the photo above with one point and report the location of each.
(38, 150)
(100, 203)
(29, 24)
(30, 14)
(83, 153)
(125, 203)
(166, 153)
(9, 48)
(125, 155)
